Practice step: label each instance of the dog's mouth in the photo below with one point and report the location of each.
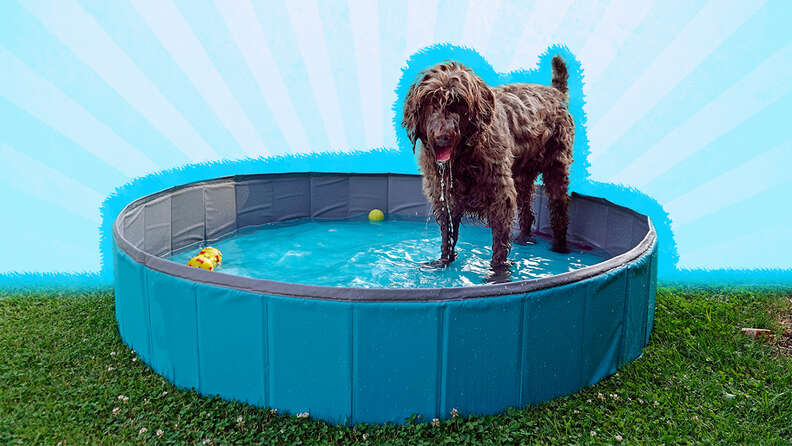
(443, 153)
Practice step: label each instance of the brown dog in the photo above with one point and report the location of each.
(484, 148)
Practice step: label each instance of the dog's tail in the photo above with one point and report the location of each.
(560, 74)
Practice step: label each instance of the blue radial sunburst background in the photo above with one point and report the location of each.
(682, 108)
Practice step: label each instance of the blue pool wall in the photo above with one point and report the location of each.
(377, 362)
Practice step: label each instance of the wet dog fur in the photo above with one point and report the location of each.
(484, 147)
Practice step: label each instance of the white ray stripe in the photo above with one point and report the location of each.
(479, 20)
(177, 37)
(421, 17)
(767, 170)
(540, 25)
(307, 26)
(755, 91)
(615, 27)
(364, 21)
(31, 176)
(249, 37)
(80, 32)
(716, 21)
(30, 92)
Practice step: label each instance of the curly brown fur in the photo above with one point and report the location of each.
(483, 148)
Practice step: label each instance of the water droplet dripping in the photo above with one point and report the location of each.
(441, 167)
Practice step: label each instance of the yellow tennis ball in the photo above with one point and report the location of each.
(202, 262)
(376, 215)
(212, 253)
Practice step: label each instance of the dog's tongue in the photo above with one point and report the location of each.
(443, 153)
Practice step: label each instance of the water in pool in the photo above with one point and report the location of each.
(385, 254)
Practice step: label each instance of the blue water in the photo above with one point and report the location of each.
(387, 254)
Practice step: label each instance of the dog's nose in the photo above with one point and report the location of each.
(443, 140)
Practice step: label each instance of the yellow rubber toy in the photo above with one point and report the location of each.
(376, 215)
(212, 253)
(202, 262)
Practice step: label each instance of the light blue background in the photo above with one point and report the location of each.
(685, 102)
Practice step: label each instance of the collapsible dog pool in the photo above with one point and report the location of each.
(349, 355)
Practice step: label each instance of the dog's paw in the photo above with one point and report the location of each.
(524, 239)
(499, 274)
(435, 264)
(560, 248)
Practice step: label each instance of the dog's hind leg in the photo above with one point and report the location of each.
(500, 219)
(524, 180)
(501, 245)
(556, 179)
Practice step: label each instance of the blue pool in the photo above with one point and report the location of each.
(316, 311)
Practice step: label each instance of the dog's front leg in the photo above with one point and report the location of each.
(450, 240)
(449, 229)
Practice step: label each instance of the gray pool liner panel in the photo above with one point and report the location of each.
(207, 211)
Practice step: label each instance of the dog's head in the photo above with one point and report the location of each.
(447, 109)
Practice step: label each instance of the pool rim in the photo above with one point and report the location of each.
(350, 294)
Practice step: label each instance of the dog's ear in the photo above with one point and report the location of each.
(411, 120)
(482, 104)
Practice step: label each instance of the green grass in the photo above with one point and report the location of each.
(699, 381)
